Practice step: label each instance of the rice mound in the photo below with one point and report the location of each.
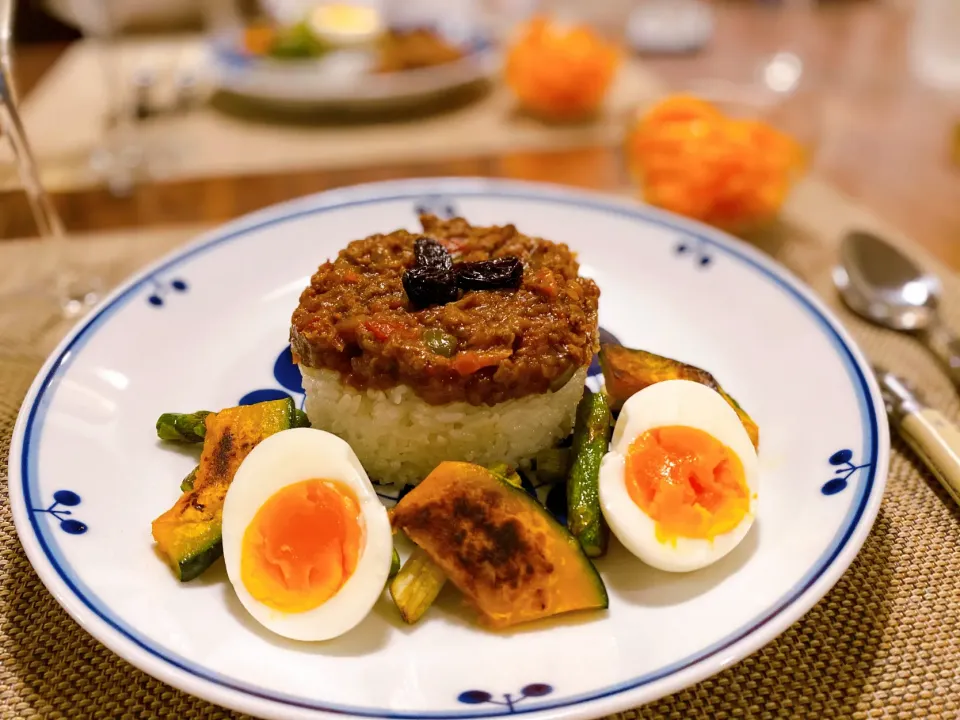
(399, 438)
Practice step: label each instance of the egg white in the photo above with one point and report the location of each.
(673, 402)
(290, 457)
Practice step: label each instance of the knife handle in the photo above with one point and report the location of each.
(937, 441)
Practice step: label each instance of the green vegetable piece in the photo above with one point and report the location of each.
(501, 469)
(192, 428)
(186, 485)
(591, 437)
(183, 427)
(506, 473)
(297, 42)
(439, 342)
(300, 419)
(394, 564)
(553, 465)
(416, 586)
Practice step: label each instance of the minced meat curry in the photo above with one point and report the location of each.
(483, 348)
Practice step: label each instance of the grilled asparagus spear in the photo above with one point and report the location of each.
(394, 564)
(192, 427)
(591, 436)
(183, 427)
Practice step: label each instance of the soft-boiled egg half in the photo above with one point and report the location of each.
(679, 485)
(346, 24)
(306, 541)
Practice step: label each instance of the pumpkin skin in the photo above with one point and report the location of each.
(627, 371)
(499, 546)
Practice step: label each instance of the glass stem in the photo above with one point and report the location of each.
(49, 226)
(120, 156)
(45, 215)
(72, 295)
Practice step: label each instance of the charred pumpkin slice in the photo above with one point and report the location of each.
(188, 534)
(627, 371)
(499, 546)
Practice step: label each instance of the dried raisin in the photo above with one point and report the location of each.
(497, 274)
(427, 286)
(430, 253)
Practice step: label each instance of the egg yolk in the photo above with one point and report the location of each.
(688, 482)
(302, 545)
(347, 18)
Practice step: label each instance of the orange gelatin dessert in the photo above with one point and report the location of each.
(560, 72)
(694, 160)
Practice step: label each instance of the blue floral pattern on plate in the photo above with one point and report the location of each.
(287, 375)
(481, 697)
(843, 461)
(65, 498)
(439, 205)
(695, 248)
(162, 288)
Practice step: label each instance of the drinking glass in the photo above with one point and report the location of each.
(68, 291)
(120, 158)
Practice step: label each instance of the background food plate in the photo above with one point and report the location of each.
(208, 326)
(322, 83)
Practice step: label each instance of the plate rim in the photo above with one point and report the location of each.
(826, 571)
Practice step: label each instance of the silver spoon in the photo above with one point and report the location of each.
(881, 284)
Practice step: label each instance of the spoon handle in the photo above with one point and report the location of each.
(946, 346)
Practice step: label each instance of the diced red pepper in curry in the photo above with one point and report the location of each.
(381, 329)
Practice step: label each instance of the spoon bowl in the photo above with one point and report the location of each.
(883, 285)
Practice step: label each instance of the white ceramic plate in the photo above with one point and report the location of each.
(208, 325)
(341, 79)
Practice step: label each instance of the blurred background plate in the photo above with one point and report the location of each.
(343, 78)
(92, 16)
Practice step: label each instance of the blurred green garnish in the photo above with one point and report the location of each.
(297, 41)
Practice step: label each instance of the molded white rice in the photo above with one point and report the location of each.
(400, 438)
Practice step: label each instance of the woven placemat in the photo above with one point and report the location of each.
(885, 642)
(228, 137)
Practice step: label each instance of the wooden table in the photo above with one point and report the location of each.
(885, 140)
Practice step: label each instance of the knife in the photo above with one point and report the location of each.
(926, 430)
